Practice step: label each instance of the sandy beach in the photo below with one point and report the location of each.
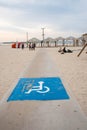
(72, 69)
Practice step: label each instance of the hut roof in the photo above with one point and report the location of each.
(49, 39)
(85, 34)
(59, 38)
(34, 40)
(80, 38)
(70, 38)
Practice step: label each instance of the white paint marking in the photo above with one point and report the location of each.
(39, 88)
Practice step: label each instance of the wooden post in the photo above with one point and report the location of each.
(63, 42)
(77, 41)
(82, 49)
(55, 43)
(73, 42)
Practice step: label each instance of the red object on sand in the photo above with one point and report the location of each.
(14, 45)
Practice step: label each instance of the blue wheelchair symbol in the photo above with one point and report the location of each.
(50, 88)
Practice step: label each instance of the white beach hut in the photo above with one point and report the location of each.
(35, 40)
(71, 40)
(84, 36)
(60, 40)
(49, 42)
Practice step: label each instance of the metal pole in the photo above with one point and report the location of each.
(27, 35)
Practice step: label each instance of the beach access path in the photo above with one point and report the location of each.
(42, 115)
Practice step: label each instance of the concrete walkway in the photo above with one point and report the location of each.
(42, 115)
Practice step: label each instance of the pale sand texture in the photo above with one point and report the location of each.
(12, 63)
(72, 69)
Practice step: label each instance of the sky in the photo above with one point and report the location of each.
(58, 18)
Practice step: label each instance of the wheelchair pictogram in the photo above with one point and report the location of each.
(44, 88)
(40, 88)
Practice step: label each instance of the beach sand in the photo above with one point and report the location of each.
(72, 69)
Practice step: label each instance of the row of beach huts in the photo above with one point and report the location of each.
(50, 42)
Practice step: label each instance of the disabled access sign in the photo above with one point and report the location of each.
(50, 88)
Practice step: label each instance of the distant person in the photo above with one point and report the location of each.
(33, 46)
(66, 51)
(69, 51)
(60, 50)
(22, 45)
(30, 46)
(63, 50)
(41, 43)
(18, 45)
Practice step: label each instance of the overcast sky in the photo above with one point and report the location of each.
(58, 17)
